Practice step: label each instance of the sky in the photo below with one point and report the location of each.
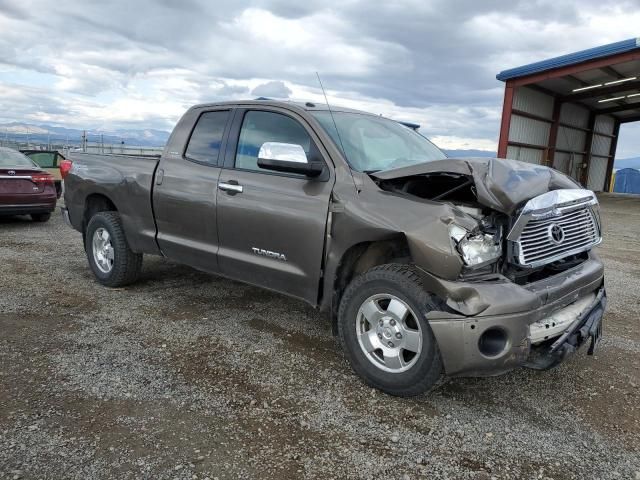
(140, 64)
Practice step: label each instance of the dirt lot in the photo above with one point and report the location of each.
(185, 375)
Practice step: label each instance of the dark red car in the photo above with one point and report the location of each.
(25, 189)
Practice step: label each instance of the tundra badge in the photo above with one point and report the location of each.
(267, 253)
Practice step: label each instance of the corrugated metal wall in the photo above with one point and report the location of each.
(574, 115)
(533, 101)
(571, 139)
(597, 173)
(528, 130)
(578, 152)
(568, 163)
(605, 124)
(601, 145)
(600, 150)
(523, 154)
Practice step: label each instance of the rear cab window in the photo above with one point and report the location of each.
(206, 138)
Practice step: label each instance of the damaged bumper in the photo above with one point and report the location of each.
(586, 327)
(493, 327)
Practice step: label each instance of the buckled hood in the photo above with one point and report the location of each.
(500, 184)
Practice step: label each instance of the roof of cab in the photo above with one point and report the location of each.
(301, 106)
(306, 106)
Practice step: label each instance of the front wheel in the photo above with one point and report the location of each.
(113, 263)
(383, 330)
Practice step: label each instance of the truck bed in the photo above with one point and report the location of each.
(127, 181)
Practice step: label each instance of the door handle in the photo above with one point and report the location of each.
(232, 188)
(159, 176)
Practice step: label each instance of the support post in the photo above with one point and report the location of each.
(612, 155)
(507, 106)
(553, 132)
(588, 146)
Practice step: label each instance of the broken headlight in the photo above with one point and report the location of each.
(476, 248)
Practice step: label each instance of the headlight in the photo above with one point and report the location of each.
(475, 249)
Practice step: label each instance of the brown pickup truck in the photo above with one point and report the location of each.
(428, 266)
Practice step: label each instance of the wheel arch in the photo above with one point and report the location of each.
(95, 203)
(359, 258)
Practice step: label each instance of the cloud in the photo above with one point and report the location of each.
(272, 90)
(142, 63)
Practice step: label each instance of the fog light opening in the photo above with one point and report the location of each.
(492, 342)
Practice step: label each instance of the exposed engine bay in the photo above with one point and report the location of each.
(435, 186)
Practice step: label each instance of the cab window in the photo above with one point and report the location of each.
(206, 139)
(260, 127)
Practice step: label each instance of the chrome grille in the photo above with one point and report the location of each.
(555, 232)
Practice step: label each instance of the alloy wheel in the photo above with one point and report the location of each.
(102, 248)
(389, 333)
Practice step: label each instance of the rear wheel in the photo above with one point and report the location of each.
(112, 261)
(383, 330)
(40, 217)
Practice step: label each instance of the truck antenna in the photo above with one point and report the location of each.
(344, 152)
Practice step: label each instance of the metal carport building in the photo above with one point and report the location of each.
(566, 112)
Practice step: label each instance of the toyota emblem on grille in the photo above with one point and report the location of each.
(11, 172)
(556, 233)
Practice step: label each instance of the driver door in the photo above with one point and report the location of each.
(271, 225)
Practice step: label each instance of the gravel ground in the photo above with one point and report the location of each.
(185, 375)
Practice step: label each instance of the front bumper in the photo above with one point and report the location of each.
(486, 330)
(587, 327)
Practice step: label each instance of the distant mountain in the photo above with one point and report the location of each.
(470, 153)
(48, 133)
(621, 163)
(19, 131)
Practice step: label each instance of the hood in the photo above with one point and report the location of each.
(500, 184)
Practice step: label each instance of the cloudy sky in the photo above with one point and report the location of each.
(140, 64)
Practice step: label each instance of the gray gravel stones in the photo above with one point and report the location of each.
(185, 375)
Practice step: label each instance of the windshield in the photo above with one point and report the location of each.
(11, 158)
(373, 143)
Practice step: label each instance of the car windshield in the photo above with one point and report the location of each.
(12, 158)
(371, 143)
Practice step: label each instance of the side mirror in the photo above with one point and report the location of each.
(287, 157)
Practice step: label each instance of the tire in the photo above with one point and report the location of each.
(113, 264)
(40, 217)
(412, 372)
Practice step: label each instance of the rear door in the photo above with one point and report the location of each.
(49, 162)
(271, 226)
(184, 195)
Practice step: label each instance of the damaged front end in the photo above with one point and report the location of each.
(529, 290)
(480, 242)
(514, 207)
